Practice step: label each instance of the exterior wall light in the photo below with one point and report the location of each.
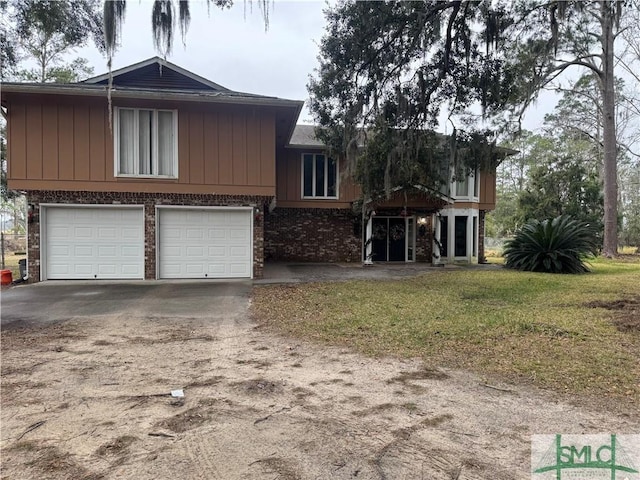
(422, 226)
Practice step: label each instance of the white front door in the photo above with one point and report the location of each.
(95, 242)
(205, 242)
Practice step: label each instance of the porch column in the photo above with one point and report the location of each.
(368, 236)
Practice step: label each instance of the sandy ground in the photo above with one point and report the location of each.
(89, 398)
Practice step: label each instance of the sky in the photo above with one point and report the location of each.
(230, 47)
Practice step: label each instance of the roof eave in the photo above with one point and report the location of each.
(99, 91)
(300, 145)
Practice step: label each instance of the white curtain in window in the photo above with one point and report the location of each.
(165, 143)
(462, 187)
(127, 143)
(145, 119)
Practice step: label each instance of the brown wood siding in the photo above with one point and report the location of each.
(97, 157)
(225, 136)
(268, 151)
(487, 191)
(50, 139)
(253, 150)
(81, 142)
(211, 157)
(289, 183)
(64, 143)
(239, 155)
(34, 141)
(196, 145)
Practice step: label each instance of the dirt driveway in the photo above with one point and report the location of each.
(86, 395)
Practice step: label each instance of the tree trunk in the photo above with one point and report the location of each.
(610, 244)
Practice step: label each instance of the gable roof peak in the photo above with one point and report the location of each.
(150, 73)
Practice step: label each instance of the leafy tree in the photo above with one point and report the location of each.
(559, 245)
(630, 203)
(163, 21)
(46, 31)
(400, 65)
(563, 186)
(512, 178)
(5, 193)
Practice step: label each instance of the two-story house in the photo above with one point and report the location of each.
(168, 175)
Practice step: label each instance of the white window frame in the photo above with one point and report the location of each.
(451, 214)
(313, 177)
(472, 179)
(154, 133)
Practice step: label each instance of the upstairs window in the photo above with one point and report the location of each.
(319, 176)
(146, 142)
(468, 187)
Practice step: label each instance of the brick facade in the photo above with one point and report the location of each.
(326, 235)
(312, 235)
(481, 219)
(424, 243)
(149, 201)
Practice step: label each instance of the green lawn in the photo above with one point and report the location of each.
(11, 263)
(525, 327)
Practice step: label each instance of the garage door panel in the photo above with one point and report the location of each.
(59, 250)
(108, 270)
(59, 269)
(238, 251)
(84, 269)
(94, 242)
(239, 269)
(196, 269)
(105, 251)
(130, 233)
(84, 233)
(217, 234)
(216, 269)
(217, 251)
(239, 234)
(196, 252)
(130, 251)
(107, 232)
(194, 233)
(61, 231)
(212, 244)
(235, 220)
(83, 250)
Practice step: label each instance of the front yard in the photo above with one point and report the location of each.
(577, 335)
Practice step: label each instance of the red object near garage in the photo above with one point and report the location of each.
(6, 277)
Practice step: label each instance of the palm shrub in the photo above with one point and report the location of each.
(558, 245)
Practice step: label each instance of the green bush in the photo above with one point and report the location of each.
(559, 245)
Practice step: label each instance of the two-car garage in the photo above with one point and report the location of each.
(108, 242)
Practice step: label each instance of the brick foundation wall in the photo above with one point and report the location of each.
(149, 201)
(312, 235)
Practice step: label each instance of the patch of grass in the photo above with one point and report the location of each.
(11, 262)
(521, 326)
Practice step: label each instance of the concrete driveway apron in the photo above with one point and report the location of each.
(50, 302)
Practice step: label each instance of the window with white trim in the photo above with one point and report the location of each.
(467, 187)
(319, 176)
(146, 142)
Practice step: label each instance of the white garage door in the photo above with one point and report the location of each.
(93, 243)
(204, 243)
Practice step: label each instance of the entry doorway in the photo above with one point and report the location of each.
(393, 239)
